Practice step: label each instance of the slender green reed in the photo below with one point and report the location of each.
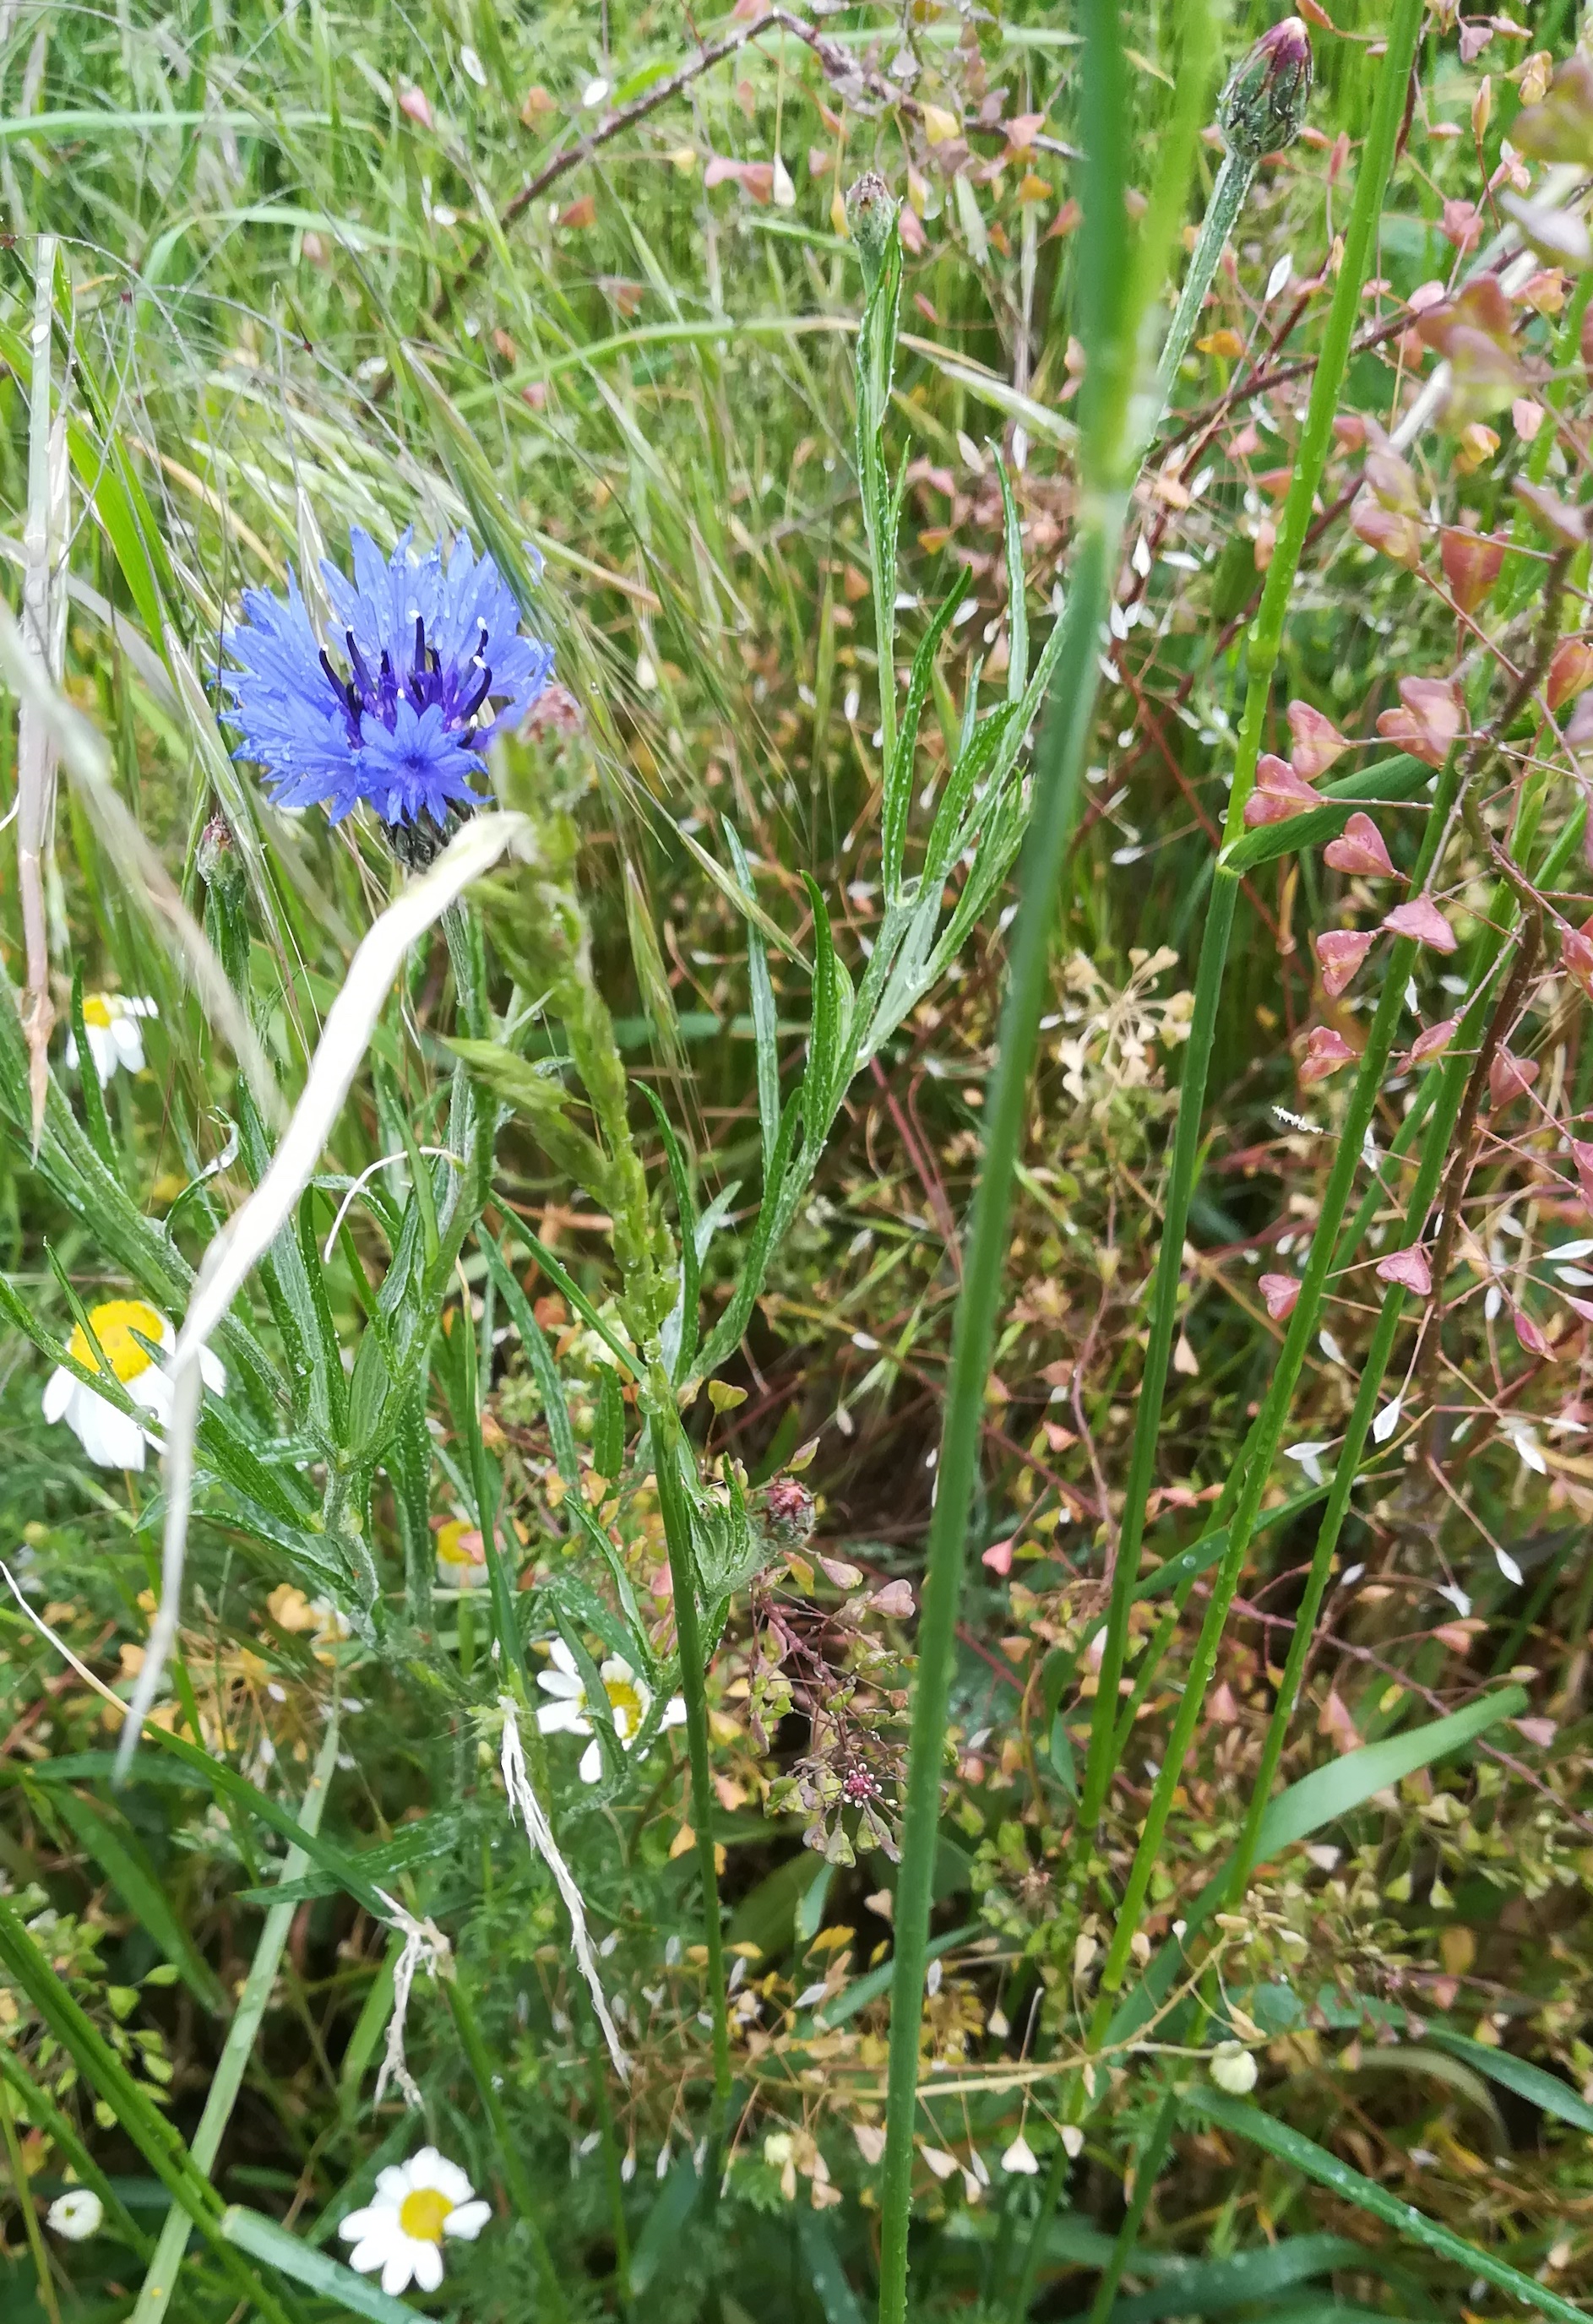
(1263, 645)
(1112, 302)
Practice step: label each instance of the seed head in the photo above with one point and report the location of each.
(1262, 107)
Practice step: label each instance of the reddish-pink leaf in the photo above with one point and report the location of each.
(895, 1600)
(1434, 1040)
(1576, 950)
(1510, 1077)
(1428, 720)
(1408, 1267)
(1422, 919)
(1390, 534)
(1531, 1335)
(1317, 742)
(1341, 952)
(1280, 1292)
(1471, 563)
(1538, 1731)
(1279, 792)
(1581, 1154)
(1359, 848)
(1325, 1052)
(1569, 671)
(1582, 1307)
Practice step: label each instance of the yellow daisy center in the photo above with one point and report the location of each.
(625, 1704)
(421, 2215)
(451, 1546)
(114, 1326)
(96, 1009)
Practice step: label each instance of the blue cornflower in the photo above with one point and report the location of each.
(431, 662)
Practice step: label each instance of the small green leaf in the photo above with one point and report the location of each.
(608, 1431)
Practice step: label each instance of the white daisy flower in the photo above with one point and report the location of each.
(77, 2215)
(630, 1698)
(111, 1438)
(110, 1021)
(418, 2204)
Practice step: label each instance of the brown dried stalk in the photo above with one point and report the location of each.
(44, 627)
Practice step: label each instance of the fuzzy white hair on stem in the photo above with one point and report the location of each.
(350, 1023)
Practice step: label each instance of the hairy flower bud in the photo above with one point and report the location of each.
(217, 858)
(1262, 107)
(871, 213)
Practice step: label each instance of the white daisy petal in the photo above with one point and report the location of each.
(371, 2254)
(592, 1762)
(111, 1439)
(58, 1393)
(467, 2223)
(398, 2266)
(426, 2259)
(674, 1712)
(213, 1371)
(564, 1660)
(393, 2182)
(153, 1389)
(360, 2224)
(561, 1719)
(560, 1682)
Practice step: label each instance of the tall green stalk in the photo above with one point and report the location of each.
(1112, 299)
(1265, 643)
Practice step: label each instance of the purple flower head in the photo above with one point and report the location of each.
(426, 661)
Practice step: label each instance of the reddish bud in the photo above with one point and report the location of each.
(1280, 1292)
(1410, 1268)
(1532, 1336)
(413, 103)
(1471, 563)
(1421, 920)
(1433, 1041)
(1359, 848)
(1510, 1077)
(1325, 1052)
(1341, 952)
(1317, 742)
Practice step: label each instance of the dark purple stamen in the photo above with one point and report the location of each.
(468, 709)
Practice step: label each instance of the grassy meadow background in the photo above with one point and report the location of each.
(577, 279)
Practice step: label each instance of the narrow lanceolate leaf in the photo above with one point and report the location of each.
(318, 2270)
(1017, 611)
(1303, 2154)
(897, 801)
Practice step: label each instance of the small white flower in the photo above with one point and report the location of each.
(1020, 2157)
(111, 1438)
(76, 2215)
(110, 1021)
(1072, 2140)
(1508, 1567)
(630, 1698)
(1528, 1451)
(1233, 2069)
(418, 2204)
(1310, 1457)
(1387, 1421)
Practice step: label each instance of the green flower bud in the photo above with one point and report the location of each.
(871, 212)
(1264, 104)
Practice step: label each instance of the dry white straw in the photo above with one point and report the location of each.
(424, 1944)
(539, 1833)
(351, 1023)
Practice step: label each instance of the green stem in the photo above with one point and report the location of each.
(677, 1525)
(1144, 2179)
(160, 2279)
(21, 2189)
(1262, 1449)
(1234, 182)
(1265, 642)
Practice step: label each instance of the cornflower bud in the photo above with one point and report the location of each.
(871, 212)
(1263, 106)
